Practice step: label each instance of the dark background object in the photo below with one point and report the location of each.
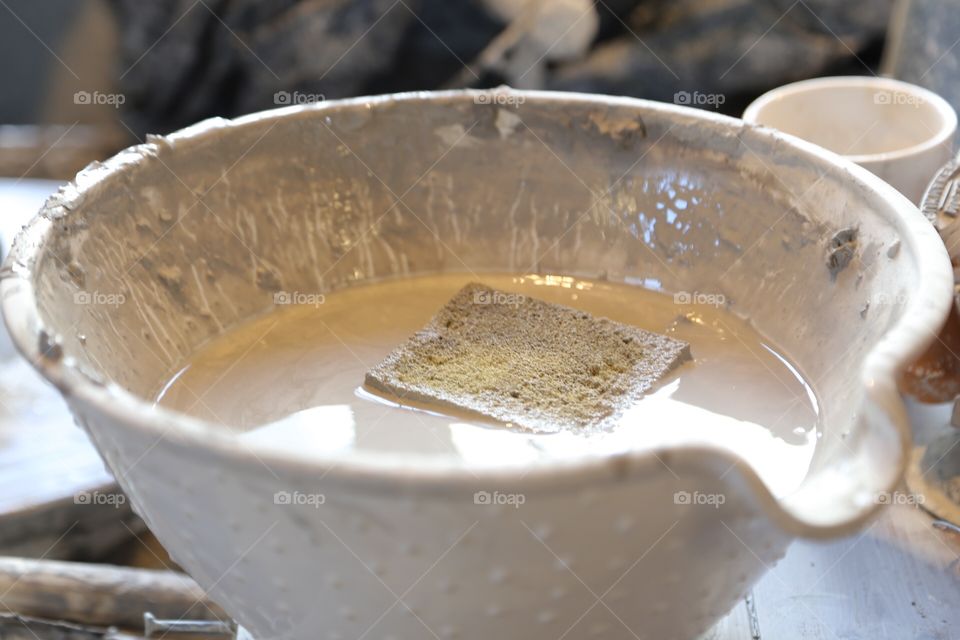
(182, 61)
(179, 61)
(923, 46)
(231, 56)
(26, 28)
(732, 48)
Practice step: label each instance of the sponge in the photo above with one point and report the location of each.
(532, 364)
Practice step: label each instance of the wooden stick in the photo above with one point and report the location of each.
(14, 627)
(17, 627)
(100, 595)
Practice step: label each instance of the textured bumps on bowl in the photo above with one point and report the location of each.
(530, 363)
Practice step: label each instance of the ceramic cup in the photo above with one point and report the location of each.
(901, 132)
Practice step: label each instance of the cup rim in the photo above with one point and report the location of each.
(948, 116)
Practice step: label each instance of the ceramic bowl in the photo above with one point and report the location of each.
(197, 230)
(899, 131)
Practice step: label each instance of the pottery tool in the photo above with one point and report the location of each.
(20, 627)
(100, 595)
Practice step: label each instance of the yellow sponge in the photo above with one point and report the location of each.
(523, 361)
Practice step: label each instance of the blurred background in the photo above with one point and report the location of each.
(85, 77)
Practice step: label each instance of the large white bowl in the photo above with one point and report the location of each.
(196, 231)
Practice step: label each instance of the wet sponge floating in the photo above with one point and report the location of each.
(519, 360)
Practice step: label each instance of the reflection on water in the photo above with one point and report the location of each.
(325, 429)
(678, 212)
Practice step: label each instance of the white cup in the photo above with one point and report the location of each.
(901, 132)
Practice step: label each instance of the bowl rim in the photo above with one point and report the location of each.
(902, 343)
(948, 116)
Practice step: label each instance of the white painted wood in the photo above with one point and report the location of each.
(898, 579)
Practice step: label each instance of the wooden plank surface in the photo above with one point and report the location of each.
(898, 579)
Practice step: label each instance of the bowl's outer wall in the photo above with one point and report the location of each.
(199, 230)
(611, 560)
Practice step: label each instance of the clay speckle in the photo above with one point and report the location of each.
(171, 277)
(841, 250)
(621, 128)
(76, 273)
(268, 279)
(49, 346)
(506, 122)
(455, 135)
